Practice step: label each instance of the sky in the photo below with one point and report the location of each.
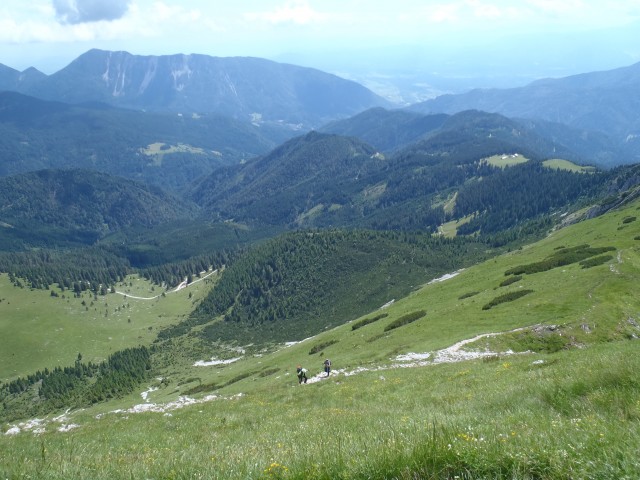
(530, 38)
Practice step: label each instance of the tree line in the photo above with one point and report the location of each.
(76, 386)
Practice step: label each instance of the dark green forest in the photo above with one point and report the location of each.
(76, 386)
(507, 197)
(300, 283)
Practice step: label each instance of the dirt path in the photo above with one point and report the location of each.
(451, 354)
(182, 285)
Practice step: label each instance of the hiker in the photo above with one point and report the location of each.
(327, 366)
(302, 374)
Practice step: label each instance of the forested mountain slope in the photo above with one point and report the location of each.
(302, 283)
(57, 207)
(386, 130)
(392, 130)
(320, 180)
(163, 149)
(289, 182)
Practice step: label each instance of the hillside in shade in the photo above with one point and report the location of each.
(50, 207)
(164, 149)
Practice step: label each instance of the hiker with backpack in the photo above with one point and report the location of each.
(327, 366)
(302, 374)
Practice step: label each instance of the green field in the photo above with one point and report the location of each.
(39, 330)
(560, 164)
(547, 390)
(503, 161)
(158, 150)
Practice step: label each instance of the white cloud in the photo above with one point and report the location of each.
(485, 10)
(297, 12)
(449, 13)
(81, 11)
(272, 27)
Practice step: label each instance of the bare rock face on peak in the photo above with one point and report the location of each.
(240, 87)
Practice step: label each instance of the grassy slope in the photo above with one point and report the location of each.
(569, 414)
(503, 161)
(39, 330)
(561, 164)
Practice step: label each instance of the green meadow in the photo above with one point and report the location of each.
(547, 386)
(39, 330)
(503, 161)
(560, 164)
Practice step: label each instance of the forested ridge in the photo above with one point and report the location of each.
(39, 207)
(522, 192)
(322, 180)
(76, 270)
(300, 283)
(37, 134)
(97, 269)
(76, 386)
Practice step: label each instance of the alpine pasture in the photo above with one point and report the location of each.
(551, 392)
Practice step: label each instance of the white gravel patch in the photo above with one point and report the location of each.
(214, 361)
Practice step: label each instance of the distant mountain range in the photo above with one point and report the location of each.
(378, 168)
(593, 114)
(322, 180)
(393, 130)
(240, 87)
(606, 102)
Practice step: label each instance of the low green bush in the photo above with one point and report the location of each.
(367, 321)
(595, 261)
(467, 295)
(565, 256)
(405, 319)
(319, 347)
(507, 297)
(511, 280)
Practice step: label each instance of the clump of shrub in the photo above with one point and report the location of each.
(367, 321)
(405, 319)
(321, 346)
(595, 261)
(628, 219)
(507, 297)
(564, 256)
(268, 371)
(206, 387)
(510, 280)
(467, 295)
